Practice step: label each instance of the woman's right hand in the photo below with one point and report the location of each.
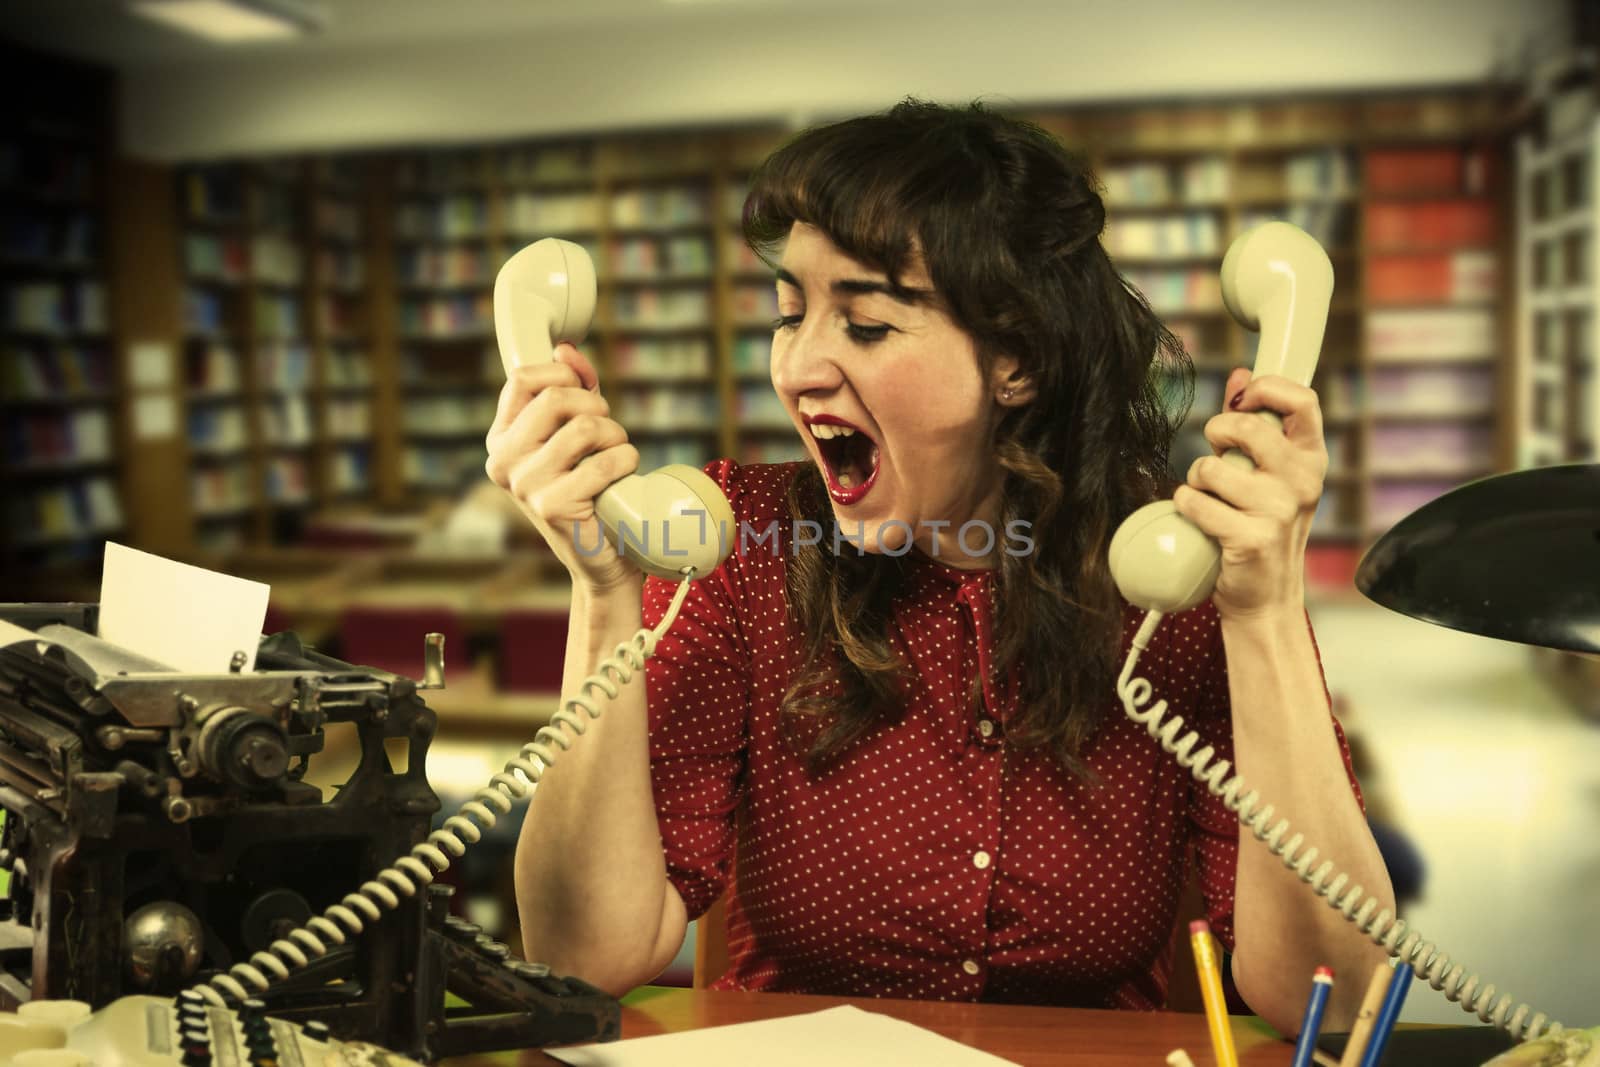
(551, 416)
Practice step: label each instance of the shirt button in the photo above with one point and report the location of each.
(981, 860)
(986, 728)
(970, 966)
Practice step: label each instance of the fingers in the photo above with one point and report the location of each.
(1246, 491)
(539, 421)
(1296, 404)
(570, 355)
(524, 383)
(569, 497)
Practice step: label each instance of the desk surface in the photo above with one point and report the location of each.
(1074, 1037)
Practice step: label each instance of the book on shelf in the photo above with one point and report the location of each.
(422, 266)
(82, 508)
(660, 208)
(1432, 334)
(1188, 235)
(54, 370)
(212, 367)
(283, 366)
(1436, 277)
(58, 438)
(659, 357)
(661, 309)
(55, 307)
(531, 215)
(212, 257)
(49, 241)
(1433, 224)
(1431, 391)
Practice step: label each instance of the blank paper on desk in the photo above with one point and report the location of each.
(189, 618)
(844, 1036)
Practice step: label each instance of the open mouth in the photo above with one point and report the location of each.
(849, 457)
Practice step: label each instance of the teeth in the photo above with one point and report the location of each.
(824, 432)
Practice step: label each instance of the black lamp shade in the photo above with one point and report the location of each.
(1515, 556)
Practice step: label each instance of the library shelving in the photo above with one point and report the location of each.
(1557, 384)
(658, 308)
(1558, 282)
(340, 332)
(451, 231)
(338, 347)
(223, 404)
(59, 382)
(1435, 322)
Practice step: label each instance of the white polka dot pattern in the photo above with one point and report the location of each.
(934, 860)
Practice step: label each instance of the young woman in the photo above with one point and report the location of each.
(887, 726)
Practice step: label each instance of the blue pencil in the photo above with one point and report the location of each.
(1388, 1015)
(1321, 986)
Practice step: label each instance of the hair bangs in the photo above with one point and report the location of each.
(868, 196)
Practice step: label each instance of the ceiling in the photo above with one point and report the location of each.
(107, 32)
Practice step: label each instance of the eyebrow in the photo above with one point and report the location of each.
(863, 286)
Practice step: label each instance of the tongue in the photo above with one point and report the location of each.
(855, 465)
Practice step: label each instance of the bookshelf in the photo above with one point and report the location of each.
(1556, 416)
(658, 295)
(336, 349)
(59, 380)
(451, 228)
(760, 428)
(1435, 323)
(223, 405)
(340, 333)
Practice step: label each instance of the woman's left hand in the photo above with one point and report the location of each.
(1262, 517)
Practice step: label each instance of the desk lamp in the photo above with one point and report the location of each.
(1514, 556)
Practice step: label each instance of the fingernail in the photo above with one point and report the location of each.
(1238, 398)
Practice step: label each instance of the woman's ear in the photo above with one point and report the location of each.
(1012, 388)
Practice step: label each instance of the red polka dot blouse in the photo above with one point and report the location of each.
(934, 861)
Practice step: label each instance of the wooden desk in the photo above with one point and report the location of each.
(1072, 1037)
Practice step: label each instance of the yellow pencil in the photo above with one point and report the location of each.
(1205, 963)
(1361, 1032)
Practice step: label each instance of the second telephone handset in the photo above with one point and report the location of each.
(671, 522)
(1276, 279)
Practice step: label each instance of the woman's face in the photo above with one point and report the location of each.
(887, 394)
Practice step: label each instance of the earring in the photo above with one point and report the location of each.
(1006, 393)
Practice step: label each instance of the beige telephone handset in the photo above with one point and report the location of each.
(1276, 279)
(666, 521)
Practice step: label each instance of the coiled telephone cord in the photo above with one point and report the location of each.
(1393, 934)
(403, 878)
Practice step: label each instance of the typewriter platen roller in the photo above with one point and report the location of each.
(159, 830)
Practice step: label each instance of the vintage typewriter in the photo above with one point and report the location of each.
(159, 834)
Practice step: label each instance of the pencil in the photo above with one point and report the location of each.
(1205, 963)
(1388, 1015)
(1321, 986)
(1371, 1004)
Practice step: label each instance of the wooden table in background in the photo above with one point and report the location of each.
(1072, 1037)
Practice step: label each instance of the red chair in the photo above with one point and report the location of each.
(391, 638)
(533, 644)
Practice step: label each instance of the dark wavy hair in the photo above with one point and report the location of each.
(1006, 221)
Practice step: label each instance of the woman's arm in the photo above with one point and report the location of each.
(1286, 749)
(1284, 743)
(592, 887)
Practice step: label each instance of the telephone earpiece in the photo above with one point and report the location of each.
(1276, 279)
(666, 521)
